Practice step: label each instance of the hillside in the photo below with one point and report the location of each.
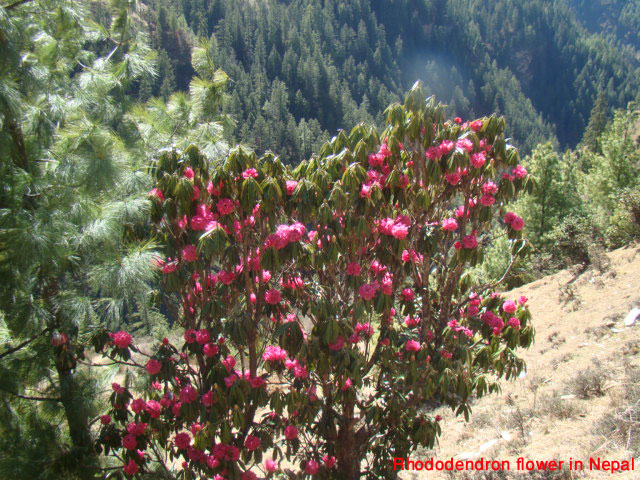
(583, 370)
(302, 69)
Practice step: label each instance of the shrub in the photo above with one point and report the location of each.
(590, 382)
(324, 306)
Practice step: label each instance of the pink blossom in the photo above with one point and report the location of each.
(121, 339)
(137, 429)
(131, 468)
(311, 467)
(509, 306)
(412, 346)
(105, 419)
(465, 144)
(188, 172)
(117, 388)
(249, 475)
(290, 186)
(476, 125)
(354, 269)
(188, 394)
(230, 380)
(487, 200)
(509, 218)
(202, 336)
(250, 173)
(182, 440)
(169, 267)
(478, 159)
(338, 344)
(446, 354)
(270, 465)
(522, 300)
(433, 153)
(194, 196)
(449, 224)
(229, 363)
(189, 253)
(129, 442)
(157, 193)
(445, 147)
(272, 296)
(226, 277)
(190, 335)
(273, 353)
(452, 178)
(207, 399)
(252, 443)
(407, 294)
(347, 384)
(153, 366)
(514, 323)
(489, 188)
(291, 432)
(368, 291)
(329, 462)
(399, 231)
(153, 408)
(224, 206)
(210, 350)
(519, 171)
(469, 241)
(517, 224)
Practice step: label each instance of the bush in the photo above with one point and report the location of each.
(578, 241)
(625, 220)
(590, 382)
(324, 306)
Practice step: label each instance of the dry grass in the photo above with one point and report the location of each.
(568, 405)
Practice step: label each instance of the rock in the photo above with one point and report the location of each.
(488, 445)
(506, 436)
(567, 397)
(632, 316)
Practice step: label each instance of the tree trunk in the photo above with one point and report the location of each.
(347, 448)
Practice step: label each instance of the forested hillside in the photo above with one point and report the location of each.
(302, 69)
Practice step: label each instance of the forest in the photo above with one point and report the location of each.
(118, 117)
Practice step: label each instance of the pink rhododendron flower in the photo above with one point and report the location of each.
(469, 241)
(517, 224)
(249, 475)
(153, 366)
(273, 353)
(157, 193)
(452, 178)
(189, 253)
(131, 468)
(182, 440)
(519, 171)
(329, 462)
(229, 363)
(338, 344)
(478, 159)
(129, 442)
(291, 186)
(105, 419)
(407, 294)
(190, 336)
(121, 339)
(250, 173)
(368, 291)
(509, 306)
(476, 125)
(489, 188)
(514, 323)
(224, 206)
(291, 432)
(272, 296)
(117, 388)
(188, 394)
(399, 231)
(153, 408)
(465, 144)
(445, 147)
(311, 468)
(487, 200)
(522, 300)
(188, 172)
(450, 224)
(433, 153)
(270, 465)
(210, 350)
(354, 269)
(252, 443)
(412, 346)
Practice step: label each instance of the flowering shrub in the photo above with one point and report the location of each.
(324, 306)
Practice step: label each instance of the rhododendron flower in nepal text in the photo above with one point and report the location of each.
(449, 224)
(291, 432)
(121, 339)
(153, 366)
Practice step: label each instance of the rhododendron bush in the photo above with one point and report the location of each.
(326, 307)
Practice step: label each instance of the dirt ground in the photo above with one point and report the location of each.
(580, 373)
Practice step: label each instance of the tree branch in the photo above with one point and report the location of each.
(13, 5)
(23, 344)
